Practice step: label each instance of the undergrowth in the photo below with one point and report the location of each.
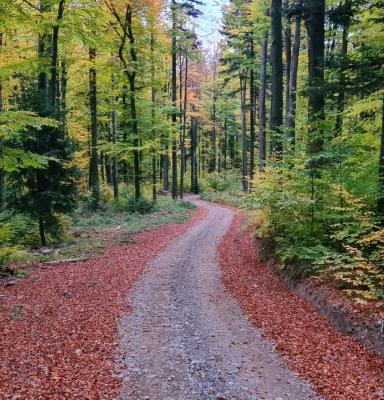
(81, 235)
(317, 226)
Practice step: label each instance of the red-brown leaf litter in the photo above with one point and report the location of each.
(338, 366)
(58, 327)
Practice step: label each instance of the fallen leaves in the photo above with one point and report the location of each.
(62, 346)
(339, 366)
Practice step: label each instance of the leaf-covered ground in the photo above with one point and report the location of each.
(339, 367)
(58, 326)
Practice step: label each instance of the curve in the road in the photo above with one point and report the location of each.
(187, 339)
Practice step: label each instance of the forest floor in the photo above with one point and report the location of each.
(205, 319)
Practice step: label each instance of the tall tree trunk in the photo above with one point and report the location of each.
(153, 115)
(115, 178)
(43, 240)
(243, 93)
(344, 53)
(94, 161)
(182, 142)
(314, 15)
(232, 151)
(165, 167)
(174, 100)
(194, 166)
(288, 61)
(63, 97)
(55, 45)
(277, 79)
(252, 119)
(43, 50)
(131, 75)
(225, 146)
(2, 172)
(380, 202)
(262, 107)
(291, 112)
(212, 163)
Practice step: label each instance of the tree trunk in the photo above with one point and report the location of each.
(314, 15)
(232, 152)
(262, 107)
(63, 97)
(2, 172)
(291, 113)
(341, 95)
(94, 161)
(252, 119)
(165, 168)
(174, 100)
(54, 75)
(182, 141)
(212, 163)
(288, 61)
(243, 93)
(194, 166)
(43, 50)
(42, 232)
(277, 79)
(380, 203)
(153, 115)
(225, 146)
(115, 179)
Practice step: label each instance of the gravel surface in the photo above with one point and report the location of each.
(187, 339)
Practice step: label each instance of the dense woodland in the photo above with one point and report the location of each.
(114, 102)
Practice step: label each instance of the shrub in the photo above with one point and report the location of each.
(216, 182)
(320, 227)
(140, 206)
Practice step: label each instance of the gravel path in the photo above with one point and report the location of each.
(186, 338)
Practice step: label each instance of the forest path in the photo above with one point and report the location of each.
(187, 339)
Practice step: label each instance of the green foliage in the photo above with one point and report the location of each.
(215, 182)
(319, 227)
(140, 206)
(166, 211)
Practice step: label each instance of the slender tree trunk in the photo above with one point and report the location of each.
(115, 178)
(225, 146)
(252, 119)
(262, 107)
(42, 232)
(165, 167)
(277, 79)
(232, 152)
(380, 203)
(341, 95)
(243, 91)
(131, 75)
(291, 113)
(212, 162)
(153, 115)
(314, 14)
(54, 75)
(288, 62)
(182, 144)
(63, 97)
(194, 166)
(2, 172)
(174, 100)
(94, 161)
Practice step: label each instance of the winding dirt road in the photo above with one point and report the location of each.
(186, 338)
